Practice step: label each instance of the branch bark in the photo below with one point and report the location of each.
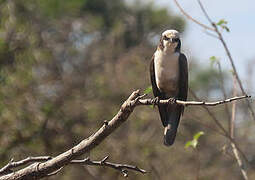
(54, 165)
(40, 170)
(123, 168)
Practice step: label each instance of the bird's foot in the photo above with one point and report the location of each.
(155, 101)
(171, 101)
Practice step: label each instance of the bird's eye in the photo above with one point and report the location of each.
(175, 39)
(166, 38)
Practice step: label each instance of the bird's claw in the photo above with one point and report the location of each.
(171, 100)
(155, 101)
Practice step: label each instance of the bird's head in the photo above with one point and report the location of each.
(170, 41)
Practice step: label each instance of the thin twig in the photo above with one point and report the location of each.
(232, 129)
(234, 69)
(220, 37)
(189, 103)
(211, 34)
(191, 18)
(217, 122)
(216, 29)
(120, 167)
(204, 11)
(44, 169)
(224, 93)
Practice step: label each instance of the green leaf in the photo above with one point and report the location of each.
(226, 28)
(197, 135)
(148, 90)
(221, 22)
(193, 143)
(190, 144)
(213, 60)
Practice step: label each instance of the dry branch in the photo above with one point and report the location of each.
(52, 166)
(189, 103)
(219, 36)
(7, 168)
(40, 170)
(123, 168)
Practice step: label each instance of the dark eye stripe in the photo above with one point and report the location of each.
(175, 39)
(166, 38)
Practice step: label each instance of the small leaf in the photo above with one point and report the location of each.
(188, 144)
(197, 135)
(194, 142)
(226, 28)
(213, 60)
(221, 22)
(148, 90)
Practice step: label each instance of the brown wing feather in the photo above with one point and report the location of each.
(162, 108)
(183, 79)
(155, 89)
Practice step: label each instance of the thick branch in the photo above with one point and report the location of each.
(54, 165)
(7, 168)
(40, 170)
(123, 168)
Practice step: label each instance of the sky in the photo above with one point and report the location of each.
(240, 16)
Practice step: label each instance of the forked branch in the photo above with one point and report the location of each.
(123, 168)
(53, 165)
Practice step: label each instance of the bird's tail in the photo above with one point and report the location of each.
(169, 135)
(172, 125)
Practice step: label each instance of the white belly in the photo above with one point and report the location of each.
(167, 72)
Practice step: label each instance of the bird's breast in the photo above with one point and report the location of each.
(167, 72)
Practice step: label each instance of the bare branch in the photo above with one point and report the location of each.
(11, 164)
(204, 11)
(224, 93)
(120, 167)
(220, 126)
(191, 18)
(40, 170)
(220, 37)
(232, 129)
(234, 68)
(189, 103)
(54, 165)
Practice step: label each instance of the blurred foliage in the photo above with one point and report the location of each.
(66, 66)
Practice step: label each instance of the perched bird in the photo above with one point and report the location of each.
(169, 79)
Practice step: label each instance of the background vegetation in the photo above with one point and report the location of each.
(66, 66)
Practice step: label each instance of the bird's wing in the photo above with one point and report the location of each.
(183, 78)
(174, 110)
(155, 89)
(157, 93)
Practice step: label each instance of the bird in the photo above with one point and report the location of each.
(169, 79)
